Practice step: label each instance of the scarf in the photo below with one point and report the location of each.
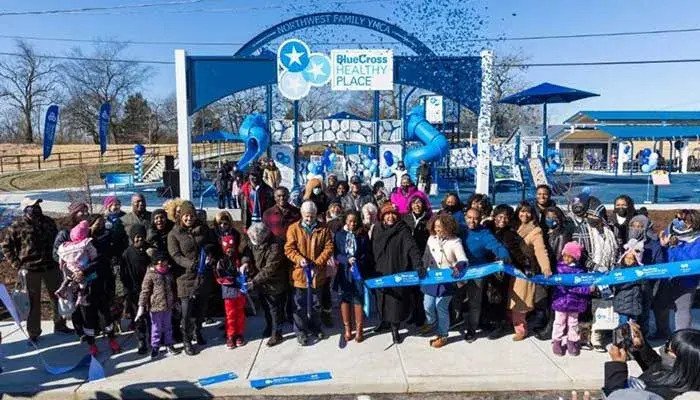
(350, 242)
(603, 248)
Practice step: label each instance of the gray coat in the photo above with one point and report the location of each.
(184, 246)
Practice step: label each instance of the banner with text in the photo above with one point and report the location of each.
(434, 109)
(357, 69)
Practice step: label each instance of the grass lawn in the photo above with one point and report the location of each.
(59, 178)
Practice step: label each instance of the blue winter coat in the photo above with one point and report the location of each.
(686, 251)
(482, 247)
(363, 254)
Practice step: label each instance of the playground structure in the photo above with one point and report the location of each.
(466, 81)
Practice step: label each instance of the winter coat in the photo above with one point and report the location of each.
(363, 254)
(522, 294)
(419, 229)
(159, 239)
(131, 219)
(157, 291)
(394, 251)
(106, 252)
(316, 248)
(116, 228)
(511, 241)
(271, 266)
(28, 245)
(278, 219)
(556, 239)
(132, 270)
(442, 254)
(76, 256)
(272, 176)
(403, 201)
(686, 251)
(482, 247)
(570, 299)
(265, 200)
(184, 246)
(350, 202)
(227, 272)
(320, 200)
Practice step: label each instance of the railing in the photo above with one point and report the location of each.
(36, 162)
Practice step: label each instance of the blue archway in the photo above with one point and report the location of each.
(334, 18)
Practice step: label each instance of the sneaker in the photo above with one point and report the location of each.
(93, 350)
(142, 349)
(155, 352)
(438, 342)
(426, 329)
(240, 341)
(114, 346)
(574, 349)
(173, 351)
(557, 348)
(230, 343)
(600, 348)
(274, 340)
(470, 336)
(519, 336)
(303, 341)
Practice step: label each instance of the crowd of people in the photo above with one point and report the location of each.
(164, 269)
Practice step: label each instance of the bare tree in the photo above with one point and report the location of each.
(163, 126)
(27, 82)
(94, 79)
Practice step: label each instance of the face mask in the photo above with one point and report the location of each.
(636, 233)
(161, 269)
(551, 223)
(578, 209)
(317, 191)
(621, 211)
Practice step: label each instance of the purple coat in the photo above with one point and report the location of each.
(570, 298)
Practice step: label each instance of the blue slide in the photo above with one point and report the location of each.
(254, 134)
(436, 146)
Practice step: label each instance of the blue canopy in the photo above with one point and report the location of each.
(346, 115)
(216, 136)
(547, 93)
(651, 132)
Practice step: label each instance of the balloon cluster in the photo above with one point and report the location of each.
(554, 161)
(387, 170)
(649, 160)
(364, 165)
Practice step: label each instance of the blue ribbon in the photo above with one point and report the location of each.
(202, 262)
(243, 282)
(229, 376)
(309, 279)
(285, 380)
(355, 271)
(615, 277)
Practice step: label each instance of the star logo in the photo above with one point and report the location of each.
(294, 56)
(318, 73)
(293, 86)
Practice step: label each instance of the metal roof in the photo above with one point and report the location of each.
(651, 132)
(656, 116)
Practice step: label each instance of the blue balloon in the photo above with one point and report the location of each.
(327, 152)
(139, 150)
(646, 152)
(475, 149)
(627, 149)
(646, 168)
(318, 170)
(389, 158)
(332, 157)
(367, 163)
(372, 169)
(310, 167)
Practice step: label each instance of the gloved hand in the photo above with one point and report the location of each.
(422, 273)
(139, 314)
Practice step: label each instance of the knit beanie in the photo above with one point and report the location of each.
(109, 200)
(186, 208)
(137, 229)
(80, 231)
(387, 208)
(74, 207)
(573, 249)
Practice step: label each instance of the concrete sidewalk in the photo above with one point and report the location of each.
(374, 366)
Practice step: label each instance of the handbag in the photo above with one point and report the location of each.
(604, 316)
(20, 296)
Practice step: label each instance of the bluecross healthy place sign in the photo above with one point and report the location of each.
(357, 69)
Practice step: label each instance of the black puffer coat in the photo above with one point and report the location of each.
(184, 246)
(556, 239)
(394, 251)
(270, 265)
(419, 229)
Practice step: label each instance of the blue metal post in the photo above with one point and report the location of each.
(376, 126)
(544, 135)
(296, 144)
(268, 114)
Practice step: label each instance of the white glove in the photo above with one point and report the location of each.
(243, 269)
(139, 313)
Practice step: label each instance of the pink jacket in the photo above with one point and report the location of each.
(403, 202)
(76, 256)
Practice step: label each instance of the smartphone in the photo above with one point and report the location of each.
(622, 336)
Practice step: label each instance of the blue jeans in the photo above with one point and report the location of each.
(431, 304)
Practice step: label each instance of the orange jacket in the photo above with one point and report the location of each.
(316, 247)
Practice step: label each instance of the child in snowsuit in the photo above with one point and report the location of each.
(158, 297)
(568, 302)
(74, 257)
(628, 297)
(230, 273)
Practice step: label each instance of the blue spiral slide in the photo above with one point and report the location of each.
(435, 143)
(253, 132)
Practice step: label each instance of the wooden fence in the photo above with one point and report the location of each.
(36, 162)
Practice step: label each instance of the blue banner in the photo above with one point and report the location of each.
(286, 380)
(103, 123)
(229, 376)
(50, 129)
(615, 277)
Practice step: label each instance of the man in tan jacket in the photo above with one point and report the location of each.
(309, 246)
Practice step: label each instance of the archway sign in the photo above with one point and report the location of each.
(202, 80)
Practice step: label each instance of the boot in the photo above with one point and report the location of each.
(557, 348)
(574, 348)
(395, 335)
(274, 340)
(143, 348)
(345, 314)
(546, 332)
(359, 319)
(190, 350)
